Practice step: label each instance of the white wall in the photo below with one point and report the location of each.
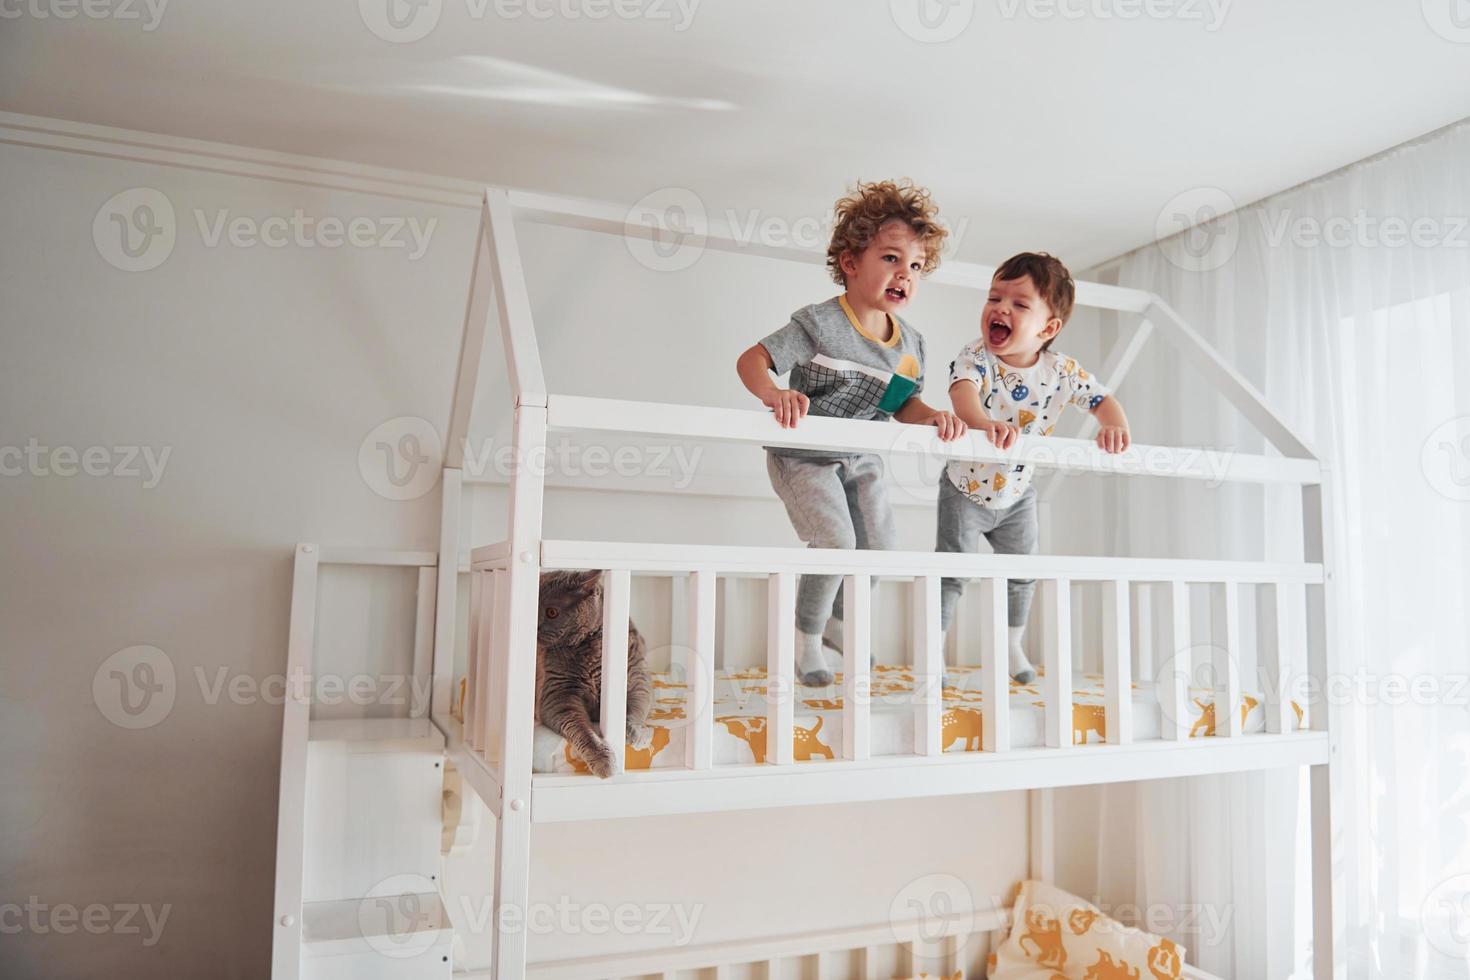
(261, 371)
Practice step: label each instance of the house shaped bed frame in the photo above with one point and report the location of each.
(491, 747)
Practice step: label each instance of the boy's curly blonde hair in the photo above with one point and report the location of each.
(859, 215)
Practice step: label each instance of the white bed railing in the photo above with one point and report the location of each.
(1281, 659)
(576, 413)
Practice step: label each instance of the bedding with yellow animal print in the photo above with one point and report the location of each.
(1058, 936)
(740, 736)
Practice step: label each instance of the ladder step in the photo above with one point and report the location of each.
(413, 928)
(393, 733)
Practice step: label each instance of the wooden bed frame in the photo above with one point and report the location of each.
(492, 747)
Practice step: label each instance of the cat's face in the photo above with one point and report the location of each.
(571, 607)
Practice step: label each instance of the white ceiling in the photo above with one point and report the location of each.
(1034, 129)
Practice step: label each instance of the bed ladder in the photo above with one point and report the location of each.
(361, 817)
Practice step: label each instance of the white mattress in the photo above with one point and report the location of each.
(740, 718)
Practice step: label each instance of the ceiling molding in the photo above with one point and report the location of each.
(238, 161)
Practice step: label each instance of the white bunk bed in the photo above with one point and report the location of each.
(492, 746)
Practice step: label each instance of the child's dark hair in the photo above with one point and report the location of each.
(859, 215)
(1049, 276)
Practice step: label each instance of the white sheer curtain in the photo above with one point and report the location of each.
(1347, 301)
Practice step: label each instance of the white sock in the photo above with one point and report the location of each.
(811, 666)
(832, 635)
(1021, 668)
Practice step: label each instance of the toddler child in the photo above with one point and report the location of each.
(851, 357)
(1010, 383)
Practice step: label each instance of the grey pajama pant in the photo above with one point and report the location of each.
(833, 502)
(1010, 530)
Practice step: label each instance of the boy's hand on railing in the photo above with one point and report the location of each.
(1002, 435)
(950, 425)
(789, 406)
(1113, 438)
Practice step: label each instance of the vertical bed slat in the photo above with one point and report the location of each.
(484, 613)
(928, 647)
(1174, 673)
(780, 668)
(482, 684)
(857, 645)
(446, 590)
(995, 678)
(1143, 604)
(1117, 664)
(423, 643)
(1291, 639)
(472, 663)
(1226, 612)
(495, 603)
(616, 590)
(700, 671)
(1056, 596)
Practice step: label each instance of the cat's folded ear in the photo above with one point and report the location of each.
(589, 580)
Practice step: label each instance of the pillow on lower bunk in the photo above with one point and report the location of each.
(1058, 936)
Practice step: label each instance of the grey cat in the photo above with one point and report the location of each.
(569, 669)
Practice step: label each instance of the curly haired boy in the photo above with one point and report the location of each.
(851, 357)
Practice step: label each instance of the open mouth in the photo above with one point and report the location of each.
(998, 333)
(895, 294)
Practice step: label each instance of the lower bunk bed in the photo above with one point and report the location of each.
(1042, 932)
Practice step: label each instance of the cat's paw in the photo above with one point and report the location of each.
(599, 759)
(639, 736)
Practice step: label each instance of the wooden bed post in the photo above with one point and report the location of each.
(1323, 636)
(516, 633)
(498, 273)
(1042, 828)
